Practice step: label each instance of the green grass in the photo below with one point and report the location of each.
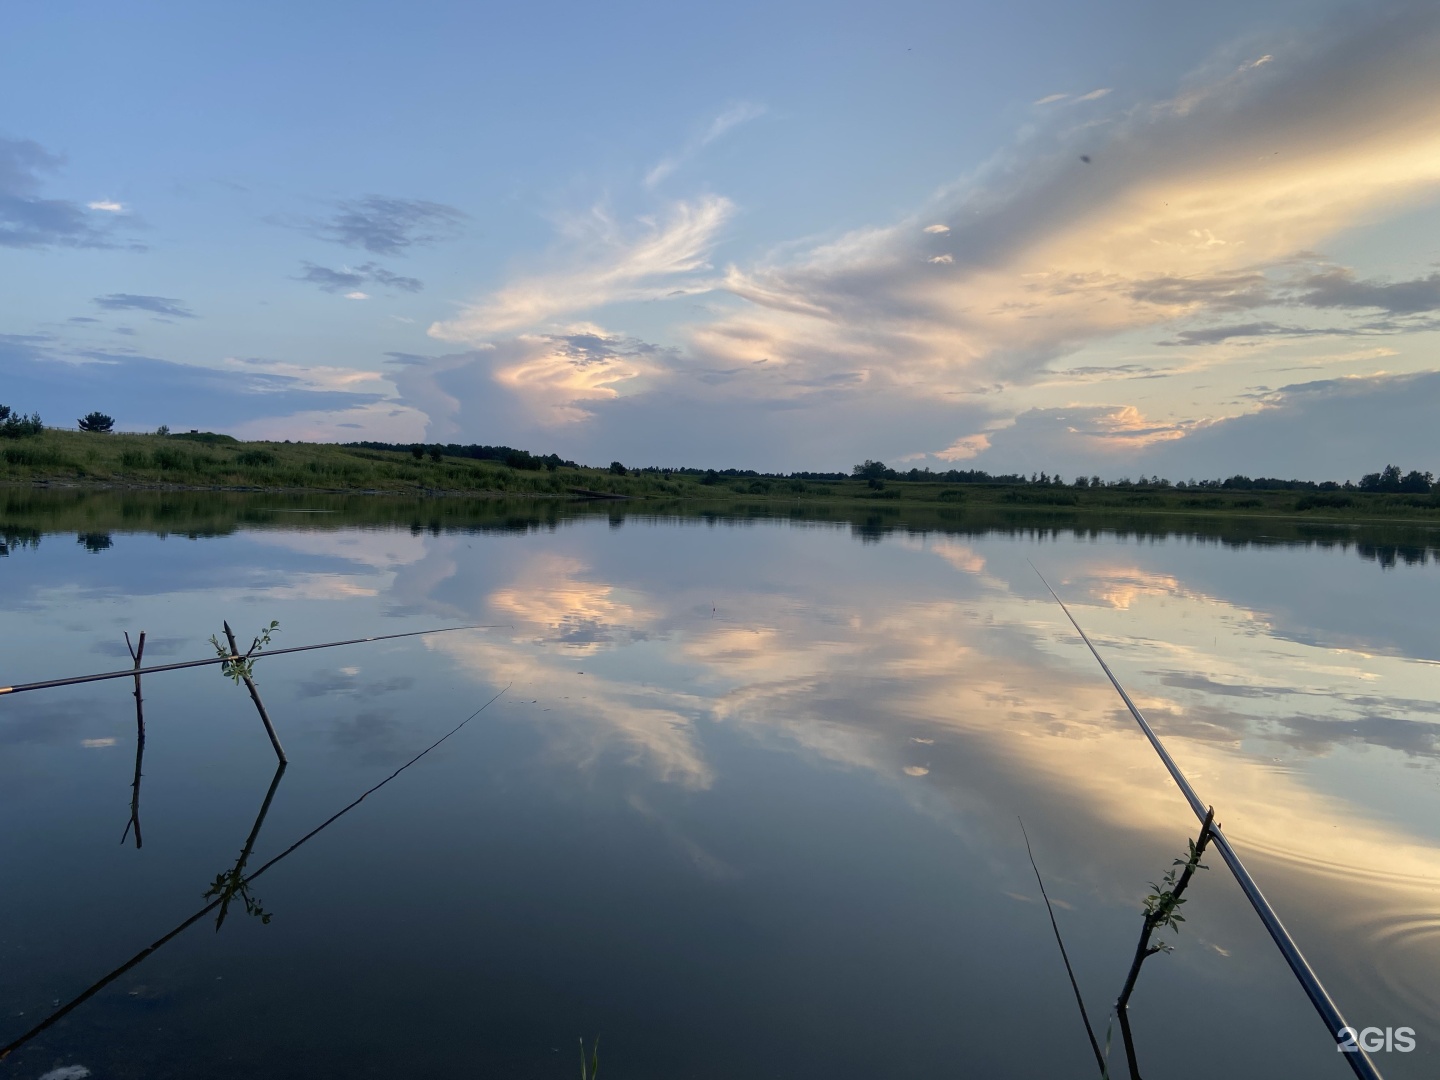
(211, 462)
(179, 461)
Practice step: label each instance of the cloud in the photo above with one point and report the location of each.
(143, 391)
(1189, 208)
(385, 225)
(1201, 214)
(1213, 335)
(546, 379)
(661, 258)
(107, 205)
(158, 305)
(350, 278)
(357, 296)
(1050, 99)
(1339, 288)
(603, 395)
(1328, 429)
(732, 117)
(965, 448)
(1088, 438)
(1094, 95)
(379, 420)
(29, 221)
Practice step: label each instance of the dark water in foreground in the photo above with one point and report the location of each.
(748, 806)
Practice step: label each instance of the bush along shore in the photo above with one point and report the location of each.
(31, 454)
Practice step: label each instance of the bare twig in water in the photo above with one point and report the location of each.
(146, 952)
(1162, 909)
(137, 653)
(1075, 986)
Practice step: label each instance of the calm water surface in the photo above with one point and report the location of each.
(748, 804)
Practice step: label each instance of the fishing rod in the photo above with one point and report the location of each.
(1355, 1055)
(50, 684)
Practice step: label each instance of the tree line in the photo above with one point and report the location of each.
(1390, 479)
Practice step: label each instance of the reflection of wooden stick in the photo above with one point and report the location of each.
(137, 653)
(88, 993)
(236, 880)
(1340, 1031)
(255, 697)
(1144, 950)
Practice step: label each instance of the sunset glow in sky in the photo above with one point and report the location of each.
(1111, 238)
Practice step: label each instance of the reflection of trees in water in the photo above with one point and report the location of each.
(12, 537)
(25, 514)
(94, 542)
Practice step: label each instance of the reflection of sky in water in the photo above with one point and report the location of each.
(737, 745)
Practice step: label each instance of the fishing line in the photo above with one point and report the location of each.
(6, 1050)
(51, 684)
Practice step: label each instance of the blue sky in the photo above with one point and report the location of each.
(1112, 237)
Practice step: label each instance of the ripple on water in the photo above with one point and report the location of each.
(1395, 957)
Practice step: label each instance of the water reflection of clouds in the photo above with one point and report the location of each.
(650, 727)
(858, 670)
(935, 664)
(552, 601)
(346, 681)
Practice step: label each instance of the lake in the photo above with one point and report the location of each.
(749, 802)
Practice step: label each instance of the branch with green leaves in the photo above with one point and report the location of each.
(1162, 911)
(238, 666)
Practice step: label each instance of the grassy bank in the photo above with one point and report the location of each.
(74, 457)
(217, 462)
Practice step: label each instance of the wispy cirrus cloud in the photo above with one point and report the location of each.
(388, 225)
(156, 305)
(350, 279)
(608, 263)
(1200, 214)
(732, 117)
(1188, 208)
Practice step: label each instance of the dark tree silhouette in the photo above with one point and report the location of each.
(1417, 482)
(98, 422)
(15, 425)
(871, 470)
(618, 469)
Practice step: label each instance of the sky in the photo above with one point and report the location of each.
(1116, 238)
